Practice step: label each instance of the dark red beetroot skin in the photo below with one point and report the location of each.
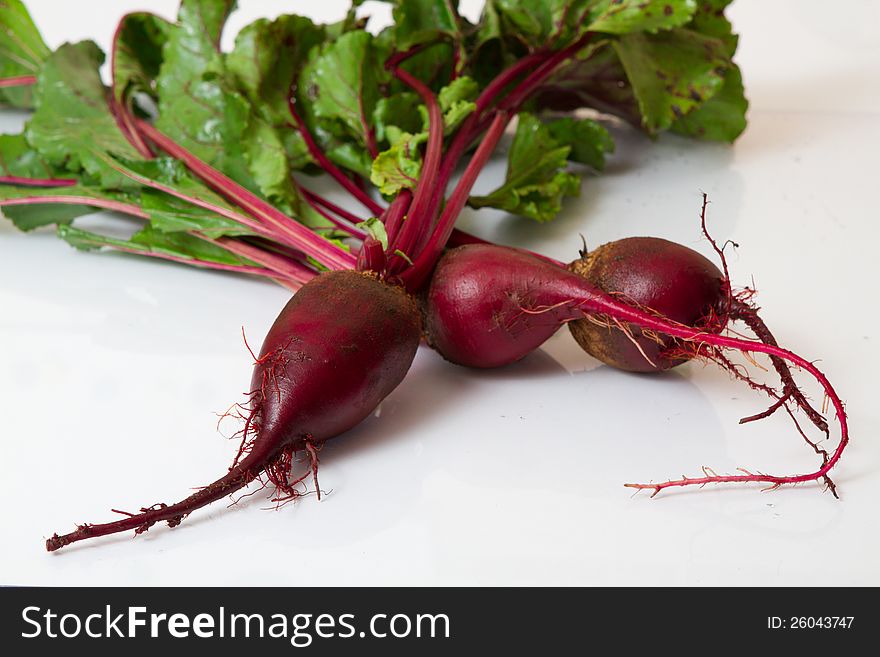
(476, 306)
(337, 349)
(656, 275)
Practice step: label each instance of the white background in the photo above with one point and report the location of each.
(111, 368)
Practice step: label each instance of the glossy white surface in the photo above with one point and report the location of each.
(111, 368)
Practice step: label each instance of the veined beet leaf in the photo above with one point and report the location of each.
(537, 177)
(22, 53)
(73, 128)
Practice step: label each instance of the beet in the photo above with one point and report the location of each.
(336, 350)
(661, 277)
(474, 305)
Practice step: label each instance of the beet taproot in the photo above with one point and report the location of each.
(336, 350)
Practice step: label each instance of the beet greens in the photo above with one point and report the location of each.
(214, 150)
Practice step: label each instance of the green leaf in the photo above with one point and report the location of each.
(202, 109)
(625, 16)
(439, 29)
(536, 179)
(671, 73)
(29, 217)
(150, 241)
(337, 97)
(376, 229)
(588, 139)
(267, 59)
(169, 214)
(402, 121)
(199, 107)
(456, 102)
(401, 254)
(396, 114)
(423, 21)
(534, 25)
(137, 59)
(73, 127)
(722, 117)
(22, 51)
(340, 85)
(399, 167)
(350, 156)
(456, 114)
(489, 51)
(461, 89)
(265, 62)
(711, 21)
(266, 157)
(18, 158)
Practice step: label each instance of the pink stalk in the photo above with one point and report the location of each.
(470, 129)
(541, 63)
(37, 182)
(490, 94)
(105, 204)
(122, 113)
(396, 213)
(398, 58)
(536, 77)
(371, 256)
(328, 166)
(283, 267)
(18, 81)
(420, 214)
(304, 239)
(125, 121)
(467, 133)
(238, 269)
(457, 200)
(339, 211)
(320, 208)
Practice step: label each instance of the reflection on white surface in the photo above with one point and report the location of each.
(111, 369)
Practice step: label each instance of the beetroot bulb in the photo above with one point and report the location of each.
(672, 280)
(675, 282)
(339, 347)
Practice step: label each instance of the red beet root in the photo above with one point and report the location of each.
(480, 301)
(666, 278)
(488, 306)
(337, 349)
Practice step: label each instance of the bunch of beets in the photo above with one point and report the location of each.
(213, 152)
